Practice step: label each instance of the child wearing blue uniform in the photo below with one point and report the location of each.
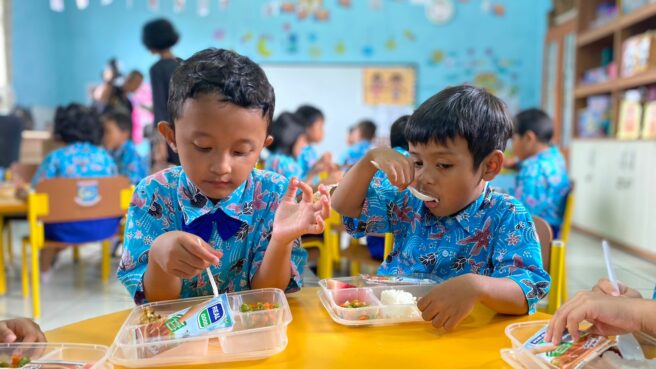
(216, 210)
(79, 128)
(116, 139)
(362, 135)
(481, 243)
(289, 139)
(542, 183)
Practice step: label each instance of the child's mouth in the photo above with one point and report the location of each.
(432, 204)
(219, 184)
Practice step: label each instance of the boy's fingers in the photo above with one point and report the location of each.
(307, 191)
(423, 303)
(201, 249)
(290, 194)
(6, 334)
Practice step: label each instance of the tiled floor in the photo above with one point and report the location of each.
(75, 291)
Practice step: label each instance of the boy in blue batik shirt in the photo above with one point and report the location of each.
(116, 139)
(363, 134)
(289, 139)
(216, 210)
(79, 128)
(542, 183)
(482, 243)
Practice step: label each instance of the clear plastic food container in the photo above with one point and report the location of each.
(259, 331)
(54, 355)
(374, 300)
(520, 358)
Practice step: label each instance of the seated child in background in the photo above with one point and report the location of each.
(483, 244)
(20, 330)
(363, 134)
(116, 139)
(376, 243)
(79, 128)
(542, 183)
(289, 139)
(313, 120)
(611, 313)
(215, 210)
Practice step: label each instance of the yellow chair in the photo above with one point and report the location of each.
(359, 254)
(565, 230)
(328, 246)
(54, 201)
(553, 261)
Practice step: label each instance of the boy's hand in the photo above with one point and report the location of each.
(604, 286)
(399, 170)
(183, 254)
(20, 330)
(294, 219)
(449, 303)
(609, 315)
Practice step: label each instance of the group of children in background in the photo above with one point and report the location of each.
(218, 211)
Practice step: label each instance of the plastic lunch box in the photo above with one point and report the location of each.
(255, 335)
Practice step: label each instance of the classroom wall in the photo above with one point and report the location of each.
(493, 43)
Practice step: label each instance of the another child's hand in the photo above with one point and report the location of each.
(183, 254)
(294, 219)
(604, 286)
(609, 315)
(20, 330)
(449, 303)
(399, 169)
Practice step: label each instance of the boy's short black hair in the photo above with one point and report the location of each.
(367, 129)
(286, 130)
(77, 123)
(397, 133)
(159, 35)
(134, 73)
(234, 78)
(462, 111)
(309, 114)
(122, 121)
(536, 121)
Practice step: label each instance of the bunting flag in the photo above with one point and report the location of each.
(57, 5)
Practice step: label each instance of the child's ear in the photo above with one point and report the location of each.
(492, 165)
(268, 141)
(167, 131)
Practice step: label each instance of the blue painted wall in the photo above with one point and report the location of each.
(56, 56)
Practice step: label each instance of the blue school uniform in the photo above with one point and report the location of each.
(493, 236)
(239, 225)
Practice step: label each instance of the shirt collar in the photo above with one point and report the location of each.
(469, 218)
(194, 204)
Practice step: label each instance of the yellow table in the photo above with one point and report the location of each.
(315, 341)
(8, 206)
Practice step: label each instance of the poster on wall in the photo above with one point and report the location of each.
(389, 86)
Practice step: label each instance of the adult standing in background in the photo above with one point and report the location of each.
(159, 36)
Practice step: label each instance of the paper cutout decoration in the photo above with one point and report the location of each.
(152, 4)
(203, 8)
(178, 5)
(409, 35)
(340, 48)
(223, 4)
(390, 44)
(263, 48)
(440, 11)
(389, 86)
(219, 34)
(315, 52)
(368, 51)
(82, 4)
(321, 15)
(292, 43)
(499, 10)
(105, 2)
(57, 5)
(436, 57)
(247, 37)
(345, 3)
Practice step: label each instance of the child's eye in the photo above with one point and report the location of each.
(444, 166)
(202, 149)
(418, 164)
(239, 153)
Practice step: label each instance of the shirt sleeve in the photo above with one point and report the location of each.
(517, 255)
(47, 169)
(382, 198)
(146, 220)
(298, 256)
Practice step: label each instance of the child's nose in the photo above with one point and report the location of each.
(221, 165)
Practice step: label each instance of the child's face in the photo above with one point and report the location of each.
(315, 132)
(218, 143)
(299, 145)
(353, 136)
(113, 137)
(446, 172)
(522, 145)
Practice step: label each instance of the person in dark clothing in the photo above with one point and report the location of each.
(159, 36)
(11, 128)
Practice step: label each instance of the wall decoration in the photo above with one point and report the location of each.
(340, 48)
(499, 10)
(375, 4)
(247, 37)
(321, 15)
(219, 34)
(314, 52)
(368, 51)
(153, 5)
(389, 86)
(82, 4)
(440, 11)
(345, 3)
(203, 8)
(263, 47)
(178, 5)
(223, 4)
(436, 57)
(57, 5)
(105, 2)
(390, 44)
(292, 43)
(409, 35)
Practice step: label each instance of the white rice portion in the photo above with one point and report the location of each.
(405, 302)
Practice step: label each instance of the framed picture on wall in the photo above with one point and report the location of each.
(389, 86)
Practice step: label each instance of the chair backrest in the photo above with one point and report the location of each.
(23, 171)
(78, 199)
(568, 214)
(545, 237)
(389, 244)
